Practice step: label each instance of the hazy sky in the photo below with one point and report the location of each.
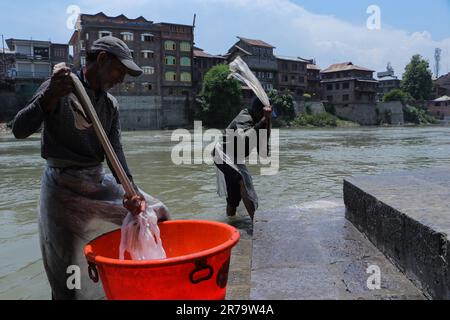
(329, 30)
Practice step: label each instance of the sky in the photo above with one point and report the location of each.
(330, 31)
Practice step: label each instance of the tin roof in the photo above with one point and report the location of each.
(345, 66)
(312, 67)
(258, 43)
(202, 54)
(295, 59)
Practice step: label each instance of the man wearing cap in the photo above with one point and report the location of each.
(78, 200)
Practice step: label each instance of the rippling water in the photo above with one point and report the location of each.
(312, 166)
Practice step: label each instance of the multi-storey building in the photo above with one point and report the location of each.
(387, 81)
(292, 75)
(440, 108)
(259, 57)
(442, 86)
(7, 64)
(163, 50)
(202, 63)
(35, 59)
(346, 83)
(313, 75)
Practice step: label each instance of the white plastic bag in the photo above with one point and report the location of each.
(141, 237)
(241, 72)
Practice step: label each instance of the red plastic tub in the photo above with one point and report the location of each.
(196, 268)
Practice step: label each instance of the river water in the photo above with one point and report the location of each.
(313, 164)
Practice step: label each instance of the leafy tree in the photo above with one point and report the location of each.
(220, 100)
(283, 103)
(417, 79)
(397, 95)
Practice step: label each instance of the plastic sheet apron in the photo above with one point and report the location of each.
(76, 206)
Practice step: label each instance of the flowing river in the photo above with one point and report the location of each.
(313, 163)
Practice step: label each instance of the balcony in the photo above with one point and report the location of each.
(30, 75)
(20, 56)
(365, 89)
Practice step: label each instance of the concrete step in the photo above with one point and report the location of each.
(407, 216)
(312, 252)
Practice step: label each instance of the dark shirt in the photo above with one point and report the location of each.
(62, 144)
(244, 130)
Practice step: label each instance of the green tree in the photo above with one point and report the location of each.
(220, 100)
(397, 95)
(283, 103)
(417, 79)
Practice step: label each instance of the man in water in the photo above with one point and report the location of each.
(78, 200)
(243, 135)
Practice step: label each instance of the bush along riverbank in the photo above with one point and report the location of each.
(323, 119)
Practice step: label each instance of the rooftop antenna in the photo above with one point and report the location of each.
(437, 59)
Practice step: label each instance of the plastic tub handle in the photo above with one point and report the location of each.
(200, 266)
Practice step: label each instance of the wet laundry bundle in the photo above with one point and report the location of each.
(141, 237)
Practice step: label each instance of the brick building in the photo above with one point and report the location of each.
(202, 63)
(442, 85)
(313, 76)
(346, 83)
(292, 75)
(35, 59)
(163, 50)
(259, 57)
(440, 108)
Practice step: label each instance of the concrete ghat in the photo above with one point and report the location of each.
(407, 216)
(313, 252)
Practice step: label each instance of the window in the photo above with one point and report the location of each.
(147, 86)
(329, 87)
(170, 45)
(127, 36)
(185, 46)
(147, 54)
(147, 37)
(345, 97)
(171, 76)
(87, 36)
(148, 70)
(83, 61)
(270, 75)
(338, 86)
(294, 66)
(185, 61)
(170, 61)
(346, 85)
(285, 78)
(102, 34)
(186, 77)
(82, 45)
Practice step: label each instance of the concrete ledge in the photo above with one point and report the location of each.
(406, 216)
(311, 251)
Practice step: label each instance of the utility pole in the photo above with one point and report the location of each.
(437, 58)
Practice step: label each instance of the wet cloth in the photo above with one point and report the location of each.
(75, 207)
(229, 165)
